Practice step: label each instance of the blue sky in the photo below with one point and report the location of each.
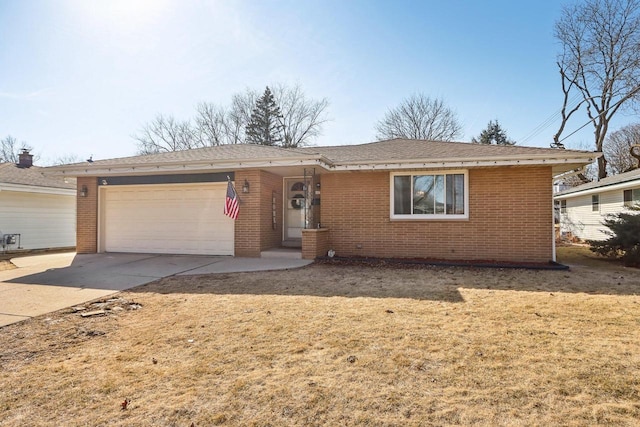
(80, 77)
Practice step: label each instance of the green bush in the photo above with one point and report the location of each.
(624, 238)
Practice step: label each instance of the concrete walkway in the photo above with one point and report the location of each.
(45, 283)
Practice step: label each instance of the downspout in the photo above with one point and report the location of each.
(553, 231)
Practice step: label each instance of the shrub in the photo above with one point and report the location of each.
(624, 238)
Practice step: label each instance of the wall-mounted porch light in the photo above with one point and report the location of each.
(245, 186)
(83, 191)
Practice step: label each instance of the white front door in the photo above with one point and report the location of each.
(295, 208)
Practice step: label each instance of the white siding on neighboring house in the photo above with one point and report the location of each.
(43, 220)
(582, 222)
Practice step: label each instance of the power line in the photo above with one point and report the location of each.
(577, 130)
(604, 112)
(548, 121)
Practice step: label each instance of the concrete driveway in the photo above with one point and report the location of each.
(45, 283)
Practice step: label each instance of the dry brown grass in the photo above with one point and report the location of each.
(430, 346)
(6, 265)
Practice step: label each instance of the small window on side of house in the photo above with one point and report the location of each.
(595, 203)
(563, 206)
(631, 197)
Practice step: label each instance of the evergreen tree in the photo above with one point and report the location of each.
(265, 124)
(624, 237)
(493, 134)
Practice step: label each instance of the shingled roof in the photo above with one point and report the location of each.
(33, 176)
(413, 149)
(395, 153)
(623, 178)
(235, 152)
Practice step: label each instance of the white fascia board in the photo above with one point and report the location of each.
(621, 186)
(447, 164)
(36, 189)
(162, 168)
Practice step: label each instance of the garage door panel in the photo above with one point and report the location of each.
(167, 219)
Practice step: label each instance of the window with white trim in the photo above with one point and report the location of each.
(429, 195)
(595, 203)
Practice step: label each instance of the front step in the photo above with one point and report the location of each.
(288, 253)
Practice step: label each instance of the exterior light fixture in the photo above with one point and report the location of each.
(83, 191)
(245, 186)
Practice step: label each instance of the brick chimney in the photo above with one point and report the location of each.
(25, 160)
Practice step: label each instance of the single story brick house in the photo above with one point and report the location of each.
(37, 211)
(396, 198)
(584, 208)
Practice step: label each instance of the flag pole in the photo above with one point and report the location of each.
(232, 201)
(229, 182)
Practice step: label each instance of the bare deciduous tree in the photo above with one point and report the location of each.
(216, 125)
(66, 159)
(302, 118)
(617, 146)
(165, 133)
(10, 149)
(420, 117)
(601, 61)
(212, 125)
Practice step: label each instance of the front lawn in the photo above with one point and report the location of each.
(337, 345)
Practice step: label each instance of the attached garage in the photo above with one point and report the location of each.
(168, 219)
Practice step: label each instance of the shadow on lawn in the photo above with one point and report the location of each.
(412, 282)
(315, 280)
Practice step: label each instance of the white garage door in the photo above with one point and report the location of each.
(170, 219)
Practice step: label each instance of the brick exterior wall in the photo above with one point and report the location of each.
(510, 218)
(254, 230)
(315, 242)
(87, 217)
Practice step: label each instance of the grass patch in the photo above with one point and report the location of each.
(329, 345)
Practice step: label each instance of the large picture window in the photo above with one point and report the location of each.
(429, 196)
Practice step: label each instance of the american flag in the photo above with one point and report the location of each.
(231, 202)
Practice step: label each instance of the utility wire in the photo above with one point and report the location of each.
(604, 112)
(548, 121)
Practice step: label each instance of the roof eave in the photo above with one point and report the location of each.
(633, 183)
(565, 163)
(583, 156)
(186, 166)
(37, 189)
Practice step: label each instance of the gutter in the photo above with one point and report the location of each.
(94, 169)
(611, 187)
(465, 163)
(37, 189)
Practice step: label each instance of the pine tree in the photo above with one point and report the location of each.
(493, 134)
(624, 237)
(265, 125)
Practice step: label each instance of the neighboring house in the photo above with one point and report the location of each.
(397, 198)
(583, 208)
(37, 211)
